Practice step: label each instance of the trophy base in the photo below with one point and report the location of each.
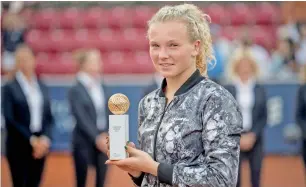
(118, 136)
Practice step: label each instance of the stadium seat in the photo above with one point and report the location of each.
(60, 63)
(230, 32)
(217, 13)
(143, 62)
(70, 18)
(39, 41)
(108, 40)
(264, 36)
(56, 68)
(266, 14)
(45, 19)
(95, 18)
(132, 39)
(241, 14)
(118, 62)
(141, 15)
(120, 17)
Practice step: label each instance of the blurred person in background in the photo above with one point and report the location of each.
(284, 65)
(156, 82)
(221, 47)
(300, 116)
(301, 51)
(28, 120)
(260, 54)
(251, 98)
(13, 32)
(88, 106)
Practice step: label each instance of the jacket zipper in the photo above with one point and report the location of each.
(155, 136)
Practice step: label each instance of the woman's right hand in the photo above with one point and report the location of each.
(132, 172)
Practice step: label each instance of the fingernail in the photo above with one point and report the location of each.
(127, 142)
(125, 147)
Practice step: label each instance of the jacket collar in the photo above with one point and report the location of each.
(194, 79)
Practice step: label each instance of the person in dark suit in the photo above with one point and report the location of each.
(28, 118)
(251, 98)
(300, 114)
(88, 106)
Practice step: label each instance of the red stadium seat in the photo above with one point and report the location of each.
(218, 14)
(70, 18)
(60, 63)
(231, 32)
(56, 68)
(45, 19)
(143, 62)
(38, 40)
(267, 13)
(95, 18)
(65, 40)
(264, 36)
(108, 40)
(120, 17)
(132, 39)
(115, 62)
(241, 14)
(118, 62)
(141, 15)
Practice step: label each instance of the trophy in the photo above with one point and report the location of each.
(118, 104)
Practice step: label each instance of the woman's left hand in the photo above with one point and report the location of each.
(138, 160)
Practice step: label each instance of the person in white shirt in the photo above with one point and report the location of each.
(28, 121)
(251, 98)
(88, 106)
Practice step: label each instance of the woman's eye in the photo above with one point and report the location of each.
(154, 45)
(173, 45)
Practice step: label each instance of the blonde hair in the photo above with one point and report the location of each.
(81, 55)
(239, 56)
(197, 28)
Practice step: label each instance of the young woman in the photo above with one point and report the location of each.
(189, 128)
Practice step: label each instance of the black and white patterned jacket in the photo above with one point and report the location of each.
(195, 138)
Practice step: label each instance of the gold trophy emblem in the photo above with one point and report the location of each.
(118, 104)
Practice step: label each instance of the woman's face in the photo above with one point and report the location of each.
(26, 61)
(92, 64)
(171, 51)
(245, 69)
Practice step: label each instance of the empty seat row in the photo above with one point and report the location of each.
(113, 63)
(105, 40)
(118, 17)
(130, 39)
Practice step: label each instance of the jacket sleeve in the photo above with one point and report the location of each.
(82, 119)
(219, 162)
(47, 128)
(261, 120)
(138, 181)
(300, 110)
(8, 113)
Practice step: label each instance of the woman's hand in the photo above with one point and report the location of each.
(138, 161)
(247, 141)
(134, 173)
